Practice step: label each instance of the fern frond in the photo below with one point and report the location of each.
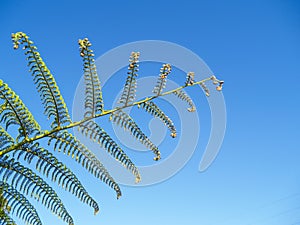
(97, 134)
(124, 120)
(49, 165)
(128, 94)
(162, 79)
(71, 146)
(93, 94)
(19, 205)
(155, 111)
(5, 139)
(13, 111)
(184, 96)
(205, 88)
(26, 181)
(5, 219)
(52, 100)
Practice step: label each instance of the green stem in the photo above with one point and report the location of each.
(104, 113)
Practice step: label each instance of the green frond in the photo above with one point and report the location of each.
(52, 100)
(49, 165)
(5, 139)
(66, 142)
(124, 120)
(97, 134)
(155, 111)
(93, 94)
(128, 94)
(184, 96)
(162, 79)
(5, 219)
(19, 206)
(13, 111)
(29, 183)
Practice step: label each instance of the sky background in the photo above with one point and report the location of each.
(252, 45)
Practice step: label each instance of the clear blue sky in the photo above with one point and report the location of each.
(253, 45)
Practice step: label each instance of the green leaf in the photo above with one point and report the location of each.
(97, 134)
(13, 111)
(124, 120)
(52, 100)
(128, 94)
(19, 205)
(93, 94)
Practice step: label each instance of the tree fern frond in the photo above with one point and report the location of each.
(26, 181)
(128, 94)
(52, 100)
(71, 146)
(93, 94)
(184, 96)
(162, 79)
(155, 111)
(124, 120)
(5, 219)
(13, 111)
(19, 205)
(5, 139)
(97, 134)
(49, 165)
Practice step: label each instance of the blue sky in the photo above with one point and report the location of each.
(252, 45)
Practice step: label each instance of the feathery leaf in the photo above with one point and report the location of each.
(97, 134)
(19, 205)
(128, 94)
(124, 120)
(155, 111)
(13, 111)
(26, 181)
(6, 220)
(184, 96)
(52, 100)
(71, 146)
(162, 79)
(93, 94)
(49, 165)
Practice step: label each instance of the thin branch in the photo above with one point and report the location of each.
(104, 113)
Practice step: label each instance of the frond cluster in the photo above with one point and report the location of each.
(19, 184)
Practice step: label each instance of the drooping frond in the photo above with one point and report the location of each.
(128, 94)
(49, 165)
(124, 120)
(155, 111)
(97, 134)
(52, 100)
(19, 205)
(93, 94)
(13, 111)
(184, 96)
(5, 219)
(205, 88)
(71, 146)
(28, 182)
(162, 79)
(5, 139)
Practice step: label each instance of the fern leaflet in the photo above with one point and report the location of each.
(19, 205)
(5, 139)
(97, 134)
(52, 100)
(124, 120)
(25, 180)
(128, 94)
(162, 79)
(155, 111)
(13, 111)
(184, 96)
(93, 93)
(48, 164)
